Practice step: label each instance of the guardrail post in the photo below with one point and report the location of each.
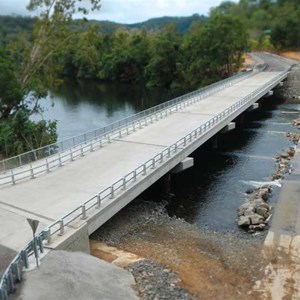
(24, 256)
(112, 192)
(108, 139)
(175, 149)
(11, 282)
(124, 184)
(161, 157)
(83, 211)
(100, 142)
(144, 169)
(4, 294)
(16, 270)
(59, 160)
(120, 133)
(40, 243)
(169, 152)
(81, 150)
(20, 160)
(12, 177)
(98, 201)
(184, 141)
(47, 165)
(62, 227)
(71, 155)
(153, 163)
(31, 172)
(134, 175)
(92, 148)
(47, 235)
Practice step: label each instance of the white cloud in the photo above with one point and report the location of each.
(128, 11)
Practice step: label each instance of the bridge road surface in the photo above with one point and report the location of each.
(51, 196)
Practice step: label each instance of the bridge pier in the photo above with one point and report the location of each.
(215, 142)
(268, 94)
(253, 107)
(184, 165)
(228, 127)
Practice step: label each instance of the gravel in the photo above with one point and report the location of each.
(154, 282)
(291, 87)
(145, 228)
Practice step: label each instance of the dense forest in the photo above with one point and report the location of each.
(175, 53)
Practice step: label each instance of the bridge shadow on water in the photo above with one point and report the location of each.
(209, 193)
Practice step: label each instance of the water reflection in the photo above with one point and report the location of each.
(81, 106)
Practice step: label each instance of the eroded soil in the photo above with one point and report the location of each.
(210, 265)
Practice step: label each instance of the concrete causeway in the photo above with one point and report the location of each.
(52, 195)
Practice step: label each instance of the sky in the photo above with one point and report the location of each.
(128, 11)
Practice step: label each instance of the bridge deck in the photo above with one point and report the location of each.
(52, 195)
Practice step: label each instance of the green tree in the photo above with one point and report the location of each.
(165, 58)
(33, 71)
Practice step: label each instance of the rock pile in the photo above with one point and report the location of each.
(156, 282)
(255, 213)
(293, 137)
(296, 123)
(284, 164)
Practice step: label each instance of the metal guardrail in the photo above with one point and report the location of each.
(14, 270)
(103, 134)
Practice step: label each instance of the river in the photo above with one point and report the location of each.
(209, 193)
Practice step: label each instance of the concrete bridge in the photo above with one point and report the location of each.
(75, 186)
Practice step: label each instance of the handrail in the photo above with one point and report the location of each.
(114, 130)
(13, 271)
(101, 133)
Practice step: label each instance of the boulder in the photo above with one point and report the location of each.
(243, 221)
(266, 206)
(257, 227)
(262, 212)
(256, 219)
(284, 155)
(250, 211)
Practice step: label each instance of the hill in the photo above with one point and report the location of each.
(13, 25)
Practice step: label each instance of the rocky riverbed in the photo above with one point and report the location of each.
(208, 264)
(255, 213)
(186, 261)
(291, 88)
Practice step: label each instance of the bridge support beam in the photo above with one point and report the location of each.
(253, 107)
(228, 127)
(184, 165)
(269, 93)
(215, 142)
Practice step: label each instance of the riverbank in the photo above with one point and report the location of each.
(291, 88)
(210, 265)
(282, 245)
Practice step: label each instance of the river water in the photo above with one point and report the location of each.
(209, 193)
